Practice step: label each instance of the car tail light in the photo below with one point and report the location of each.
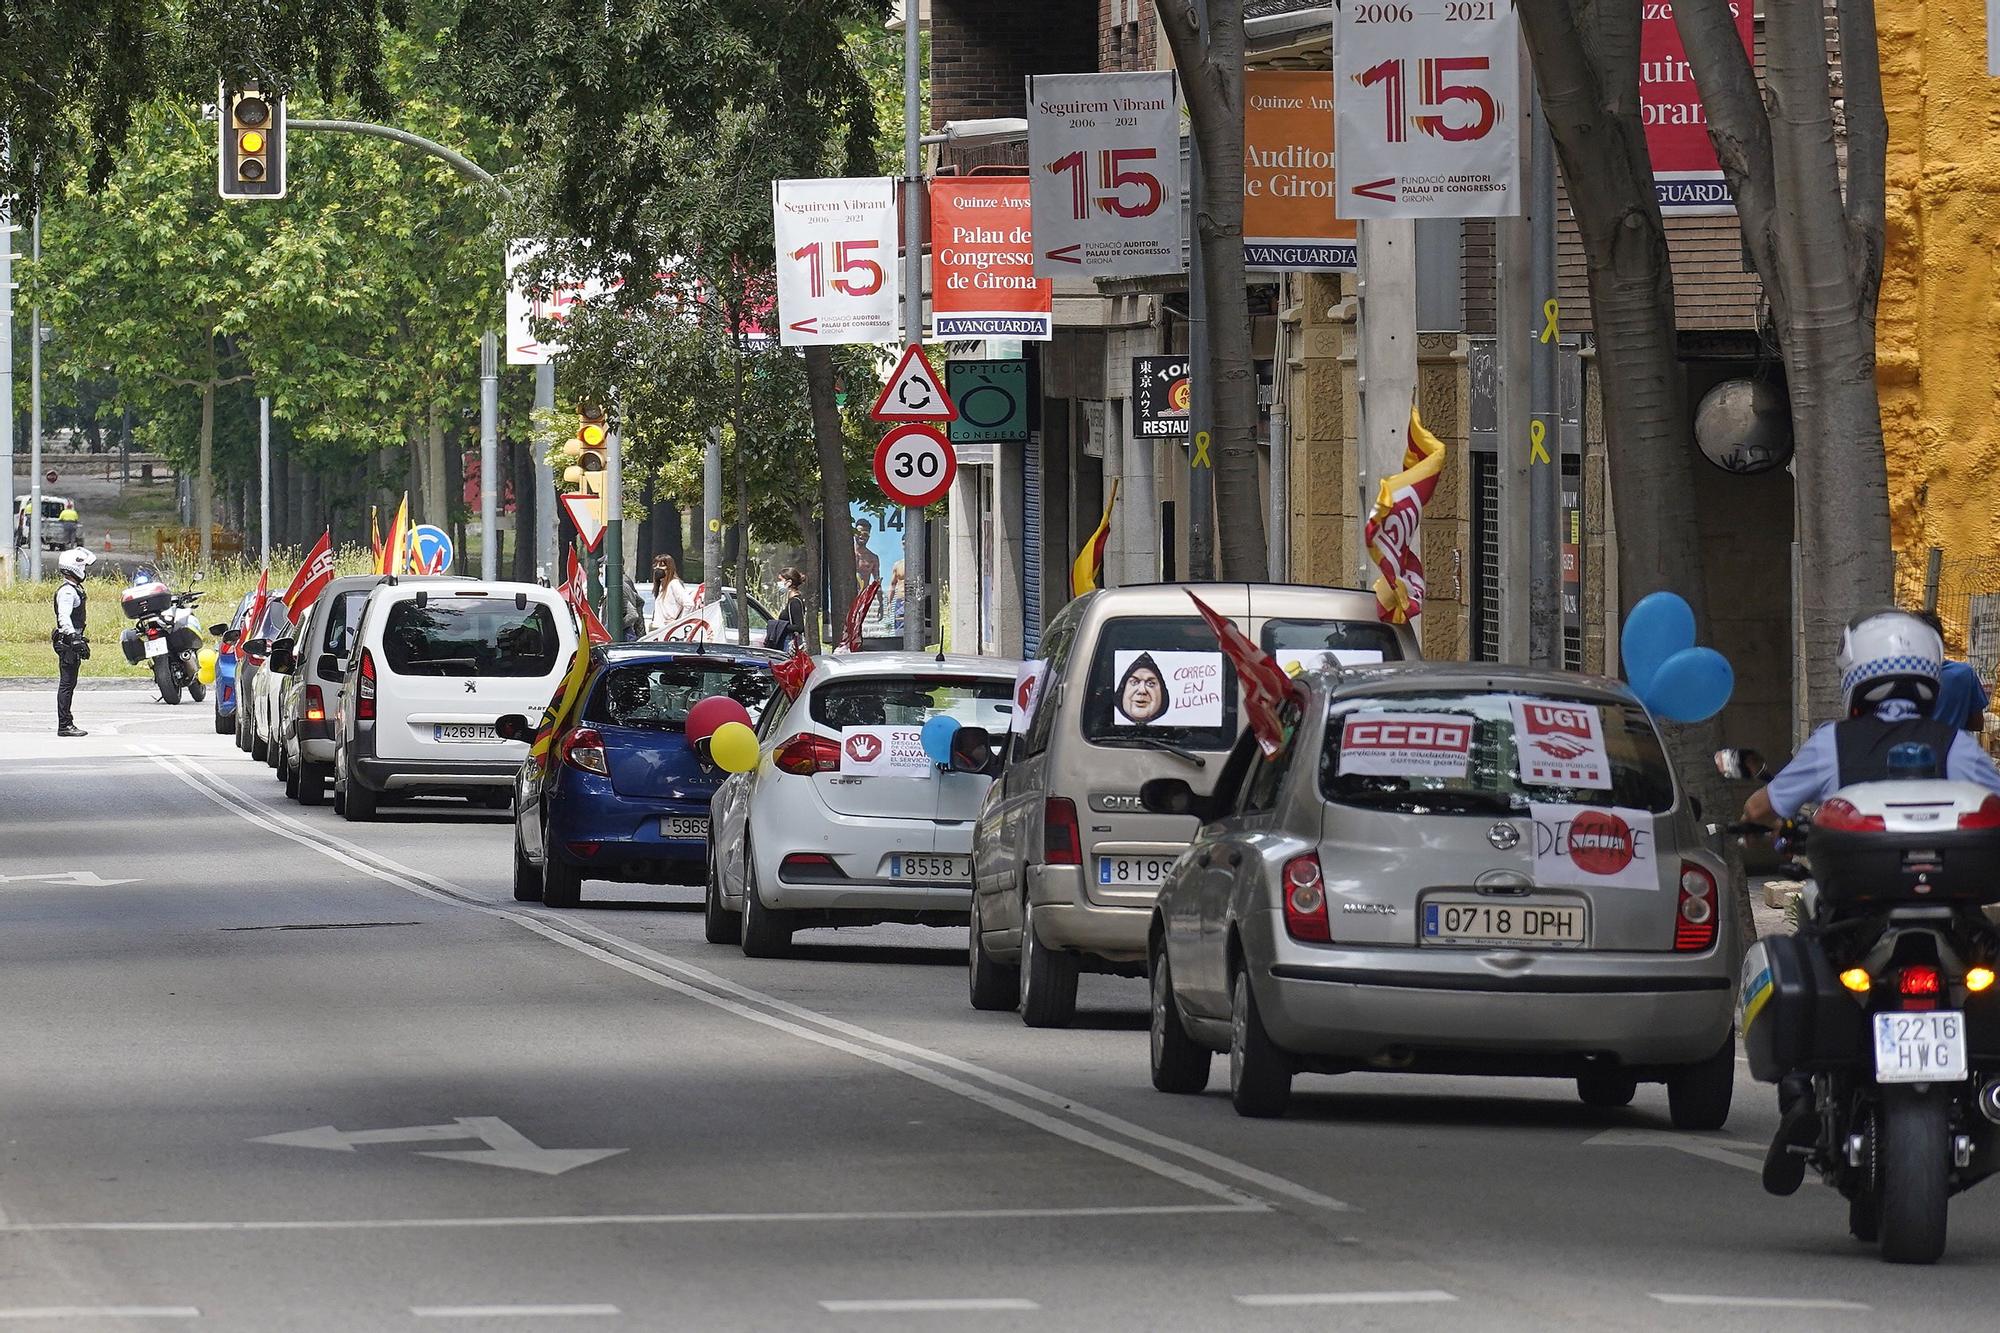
(1694, 923)
(315, 704)
(364, 690)
(1986, 816)
(1062, 842)
(1305, 900)
(806, 754)
(1840, 815)
(584, 749)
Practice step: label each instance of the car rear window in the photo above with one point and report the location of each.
(469, 636)
(1160, 679)
(343, 619)
(1309, 643)
(1461, 752)
(656, 696)
(876, 701)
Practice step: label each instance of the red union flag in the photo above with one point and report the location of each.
(1266, 687)
(1686, 177)
(313, 576)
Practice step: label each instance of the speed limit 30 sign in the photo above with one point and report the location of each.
(915, 464)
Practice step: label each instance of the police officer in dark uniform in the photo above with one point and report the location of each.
(70, 636)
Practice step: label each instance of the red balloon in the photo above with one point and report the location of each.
(712, 712)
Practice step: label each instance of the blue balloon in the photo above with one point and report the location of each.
(937, 736)
(1691, 686)
(1657, 628)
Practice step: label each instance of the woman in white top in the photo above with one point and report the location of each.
(673, 600)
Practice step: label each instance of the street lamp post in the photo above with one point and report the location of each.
(915, 563)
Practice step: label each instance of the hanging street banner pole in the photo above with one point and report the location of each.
(1103, 151)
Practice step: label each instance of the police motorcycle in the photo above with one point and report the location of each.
(1879, 1019)
(163, 635)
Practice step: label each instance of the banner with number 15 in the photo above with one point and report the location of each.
(1427, 109)
(1104, 174)
(836, 261)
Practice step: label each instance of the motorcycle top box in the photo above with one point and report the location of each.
(1907, 842)
(145, 599)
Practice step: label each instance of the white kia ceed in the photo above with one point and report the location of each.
(846, 820)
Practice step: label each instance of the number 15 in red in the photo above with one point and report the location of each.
(1434, 89)
(1112, 179)
(854, 275)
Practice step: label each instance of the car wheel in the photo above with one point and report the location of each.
(282, 761)
(224, 725)
(290, 773)
(766, 933)
(562, 883)
(312, 782)
(995, 986)
(527, 877)
(258, 750)
(719, 925)
(1606, 1091)
(1179, 1064)
(242, 725)
(1260, 1075)
(359, 804)
(1048, 979)
(1698, 1095)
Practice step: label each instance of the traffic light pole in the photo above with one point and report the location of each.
(614, 536)
(35, 419)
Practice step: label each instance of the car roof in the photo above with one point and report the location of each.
(1234, 599)
(620, 654)
(1411, 677)
(846, 665)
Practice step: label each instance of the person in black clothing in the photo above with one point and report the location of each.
(70, 636)
(789, 630)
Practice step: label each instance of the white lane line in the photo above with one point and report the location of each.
(1730, 1152)
(648, 1219)
(1283, 1299)
(511, 1311)
(102, 1312)
(359, 858)
(1758, 1302)
(941, 1304)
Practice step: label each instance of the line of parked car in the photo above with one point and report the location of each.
(1446, 868)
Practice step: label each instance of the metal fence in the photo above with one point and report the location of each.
(1965, 593)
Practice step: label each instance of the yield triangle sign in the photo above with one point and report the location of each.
(587, 512)
(914, 392)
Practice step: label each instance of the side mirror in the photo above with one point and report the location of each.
(971, 750)
(1172, 796)
(282, 659)
(512, 727)
(220, 630)
(229, 636)
(329, 666)
(257, 647)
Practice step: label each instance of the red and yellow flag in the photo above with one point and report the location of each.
(393, 557)
(1089, 566)
(1393, 529)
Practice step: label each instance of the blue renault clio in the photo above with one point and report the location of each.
(620, 794)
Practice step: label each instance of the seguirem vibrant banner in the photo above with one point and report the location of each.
(1425, 116)
(1289, 195)
(1686, 177)
(1104, 174)
(836, 242)
(983, 282)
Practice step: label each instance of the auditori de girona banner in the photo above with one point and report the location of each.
(1686, 176)
(983, 282)
(1289, 194)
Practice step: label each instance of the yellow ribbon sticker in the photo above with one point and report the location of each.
(1201, 450)
(1537, 451)
(715, 524)
(1549, 311)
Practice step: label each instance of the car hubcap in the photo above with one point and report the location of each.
(1159, 1014)
(1029, 950)
(1238, 1029)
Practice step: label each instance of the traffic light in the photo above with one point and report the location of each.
(250, 162)
(586, 450)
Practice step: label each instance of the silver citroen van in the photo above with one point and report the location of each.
(1066, 863)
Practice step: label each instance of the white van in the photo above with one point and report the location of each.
(435, 662)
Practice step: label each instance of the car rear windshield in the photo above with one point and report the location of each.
(1310, 643)
(656, 696)
(469, 636)
(1160, 679)
(343, 619)
(1463, 752)
(876, 701)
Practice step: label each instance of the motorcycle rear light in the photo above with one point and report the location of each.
(1857, 980)
(1986, 816)
(1919, 981)
(364, 690)
(806, 754)
(1978, 979)
(1695, 922)
(1840, 815)
(315, 704)
(584, 749)
(1305, 900)
(1062, 841)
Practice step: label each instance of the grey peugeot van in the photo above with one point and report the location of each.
(1066, 862)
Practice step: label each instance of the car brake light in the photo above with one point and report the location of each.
(806, 754)
(1986, 816)
(315, 704)
(1062, 843)
(364, 691)
(1695, 922)
(1840, 815)
(584, 749)
(1305, 900)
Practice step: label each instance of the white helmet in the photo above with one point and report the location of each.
(75, 561)
(1889, 654)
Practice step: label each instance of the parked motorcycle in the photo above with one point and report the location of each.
(163, 634)
(1879, 1019)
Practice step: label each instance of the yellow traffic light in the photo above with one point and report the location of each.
(592, 435)
(251, 156)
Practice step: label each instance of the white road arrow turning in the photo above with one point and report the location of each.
(86, 878)
(1730, 1152)
(505, 1145)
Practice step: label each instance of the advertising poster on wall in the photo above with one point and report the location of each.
(1104, 174)
(1162, 390)
(983, 282)
(1289, 195)
(878, 554)
(1167, 689)
(1686, 177)
(836, 242)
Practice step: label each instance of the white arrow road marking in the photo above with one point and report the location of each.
(505, 1145)
(1729, 1152)
(88, 879)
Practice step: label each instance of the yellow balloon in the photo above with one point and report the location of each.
(206, 666)
(733, 747)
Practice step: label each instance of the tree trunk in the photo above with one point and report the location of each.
(311, 510)
(1212, 76)
(830, 441)
(204, 495)
(813, 567)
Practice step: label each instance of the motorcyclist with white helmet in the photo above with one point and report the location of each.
(1890, 662)
(70, 636)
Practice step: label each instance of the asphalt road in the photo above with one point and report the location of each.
(593, 1119)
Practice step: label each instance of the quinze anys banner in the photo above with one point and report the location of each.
(1104, 174)
(983, 281)
(836, 261)
(1289, 194)
(1424, 112)
(1686, 176)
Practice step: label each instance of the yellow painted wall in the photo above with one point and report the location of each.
(1938, 325)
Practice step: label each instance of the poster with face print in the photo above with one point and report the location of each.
(1167, 689)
